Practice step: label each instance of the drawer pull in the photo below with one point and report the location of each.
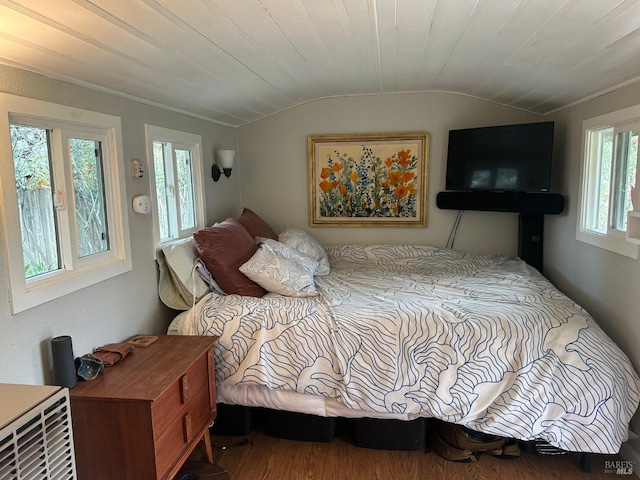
(186, 423)
(184, 388)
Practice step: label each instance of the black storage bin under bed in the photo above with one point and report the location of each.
(390, 434)
(300, 426)
(381, 434)
(233, 420)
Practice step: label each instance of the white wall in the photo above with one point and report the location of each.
(116, 309)
(275, 170)
(604, 283)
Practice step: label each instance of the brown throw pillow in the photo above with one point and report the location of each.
(223, 248)
(255, 225)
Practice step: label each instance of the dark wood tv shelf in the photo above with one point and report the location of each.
(531, 206)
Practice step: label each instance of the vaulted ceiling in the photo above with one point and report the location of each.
(235, 61)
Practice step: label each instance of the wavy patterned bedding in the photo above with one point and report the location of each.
(409, 331)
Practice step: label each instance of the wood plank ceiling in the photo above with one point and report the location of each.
(235, 61)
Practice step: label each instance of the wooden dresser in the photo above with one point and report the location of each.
(143, 417)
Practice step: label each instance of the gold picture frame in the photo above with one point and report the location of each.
(368, 179)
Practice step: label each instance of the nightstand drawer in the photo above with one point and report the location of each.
(180, 394)
(183, 429)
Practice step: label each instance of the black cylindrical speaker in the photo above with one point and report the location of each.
(64, 368)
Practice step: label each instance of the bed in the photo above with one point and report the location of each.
(406, 332)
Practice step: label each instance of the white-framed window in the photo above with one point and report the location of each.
(175, 176)
(64, 201)
(609, 184)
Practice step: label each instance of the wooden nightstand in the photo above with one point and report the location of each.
(143, 417)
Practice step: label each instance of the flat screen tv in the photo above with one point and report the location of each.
(507, 158)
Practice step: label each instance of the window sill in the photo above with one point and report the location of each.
(615, 244)
(633, 227)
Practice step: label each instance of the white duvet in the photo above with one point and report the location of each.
(409, 331)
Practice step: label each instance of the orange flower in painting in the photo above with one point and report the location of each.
(407, 176)
(325, 172)
(413, 190)
(337, 167)
(335, 183)
(404, 157)
(388, 162)
(343, 189)
(325, 186)
(395, 177)
(354, 177)
(401, 191)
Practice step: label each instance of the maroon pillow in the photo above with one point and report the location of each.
(255, 225)
(223, 248)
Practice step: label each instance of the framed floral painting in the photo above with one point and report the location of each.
(368, 179)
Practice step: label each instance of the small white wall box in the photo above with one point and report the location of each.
(137, 168)
(36, 437)
(142, 204)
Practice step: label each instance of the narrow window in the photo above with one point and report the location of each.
(608, 186)
(176, 180)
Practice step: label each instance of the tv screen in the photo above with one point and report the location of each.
(510, 158)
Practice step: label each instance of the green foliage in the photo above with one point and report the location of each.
(30, 146)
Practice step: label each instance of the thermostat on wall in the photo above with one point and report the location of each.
(137, 168)
(142, 204)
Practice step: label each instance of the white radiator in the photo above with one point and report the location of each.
(36, 439)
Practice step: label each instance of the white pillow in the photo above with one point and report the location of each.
(280, 269)
(304, 243)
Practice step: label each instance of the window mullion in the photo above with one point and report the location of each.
(63, 198)
(110, 185)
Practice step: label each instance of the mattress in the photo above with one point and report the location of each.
(408, 331)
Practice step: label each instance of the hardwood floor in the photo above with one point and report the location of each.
(260, 457)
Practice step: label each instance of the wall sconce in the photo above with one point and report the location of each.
(226, 160)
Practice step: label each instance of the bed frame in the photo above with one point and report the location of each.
(381, 434)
